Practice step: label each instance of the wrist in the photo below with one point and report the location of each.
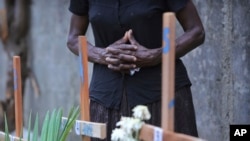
(97, 55)
(155, 56)
(102, 55)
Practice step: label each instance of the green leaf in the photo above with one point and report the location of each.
(29, 127)
(74, 112)
(7, 137)
(64, 128)
(51, 127)
(45, 126)
(58, 124)
(35, 131)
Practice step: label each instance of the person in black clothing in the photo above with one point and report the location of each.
(128, 37)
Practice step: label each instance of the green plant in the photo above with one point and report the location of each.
(52, 128)
(7, 137)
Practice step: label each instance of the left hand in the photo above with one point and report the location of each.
(144, 56)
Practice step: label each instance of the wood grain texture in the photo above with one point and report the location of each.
(18, 95)
(90, 129)
(168, 69)
(84, 90)
(147, 134)
(12, 138)
(3, 25)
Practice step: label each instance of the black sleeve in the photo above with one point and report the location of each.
(175, 5)
(79, 7)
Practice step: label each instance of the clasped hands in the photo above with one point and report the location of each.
(127, 54)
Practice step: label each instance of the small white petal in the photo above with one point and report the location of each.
(141, 112)
(118, 134)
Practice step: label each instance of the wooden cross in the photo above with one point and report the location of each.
(12, 138)
(3, 25)
(166, 133)
(18, 95)
(84, 126)
(100, 127)
(18, 101)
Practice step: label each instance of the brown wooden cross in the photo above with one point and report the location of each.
(18, 101)
(84, 126)
(166, 132)
(93, 127)
(3, 25)
(18, 95)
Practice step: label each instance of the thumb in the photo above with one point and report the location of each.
(123, 40)
(131, 37)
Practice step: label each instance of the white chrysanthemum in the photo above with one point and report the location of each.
(130, 125)
(141, 112)
(118, 135)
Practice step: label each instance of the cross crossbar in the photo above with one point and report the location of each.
(90, 129)
(12, 138)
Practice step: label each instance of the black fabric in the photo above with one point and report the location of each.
(79, 7)
(110, 19)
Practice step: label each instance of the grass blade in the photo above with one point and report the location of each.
(35, 131)
(44, 133)
(58, 124)
(64, 128)
(7, 137)
(71, 120)
(29, 130)
(51, 127)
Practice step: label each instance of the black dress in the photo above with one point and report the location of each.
(113, 94)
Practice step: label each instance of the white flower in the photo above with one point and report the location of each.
(118, 135)
(141, 112)
(130, 125)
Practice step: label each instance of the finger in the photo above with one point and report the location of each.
(127, 58)
(125, 47)
(123, 40)
(112, 61)
(127, 66)
(121, 49)
(113, 50)
(121, 67)
(126, 35)
(131, 37)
